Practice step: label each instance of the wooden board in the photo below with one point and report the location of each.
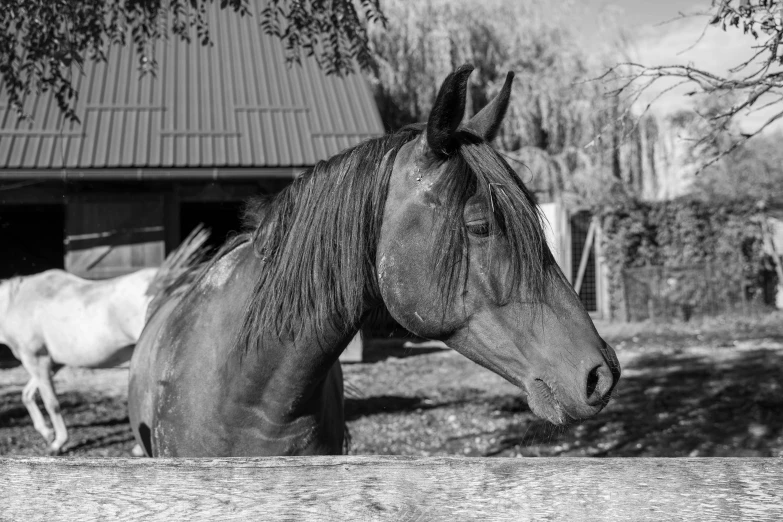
(391, 488)
(558, 233)
(110, 234)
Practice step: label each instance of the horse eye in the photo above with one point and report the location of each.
(480, 229)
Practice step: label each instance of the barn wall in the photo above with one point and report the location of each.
(218, 206)
(556, 228)
(31, 238)
(110, 234)
(109, 228)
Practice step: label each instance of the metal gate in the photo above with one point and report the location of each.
(583, 263)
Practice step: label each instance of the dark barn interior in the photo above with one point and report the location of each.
(222, 218)
(31, 238)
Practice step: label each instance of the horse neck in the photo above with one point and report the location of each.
(309, 287)
(295, 370)
(289, 372)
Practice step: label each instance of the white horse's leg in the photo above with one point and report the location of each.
(43, 376)
(28, 399)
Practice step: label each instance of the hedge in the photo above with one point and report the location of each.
(722, 237)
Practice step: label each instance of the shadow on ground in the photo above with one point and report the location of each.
(696, 401)
(97, 426)
(675, 406)
(378, 350)
(356, 408)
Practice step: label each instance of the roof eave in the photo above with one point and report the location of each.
(149, 174)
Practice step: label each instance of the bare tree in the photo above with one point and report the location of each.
(43, 41)
(753, 84)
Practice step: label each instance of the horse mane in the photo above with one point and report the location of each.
(317, 238)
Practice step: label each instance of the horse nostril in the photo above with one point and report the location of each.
(592, 381)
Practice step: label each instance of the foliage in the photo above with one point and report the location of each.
(723, 238)
(755, 171)
(43, 43)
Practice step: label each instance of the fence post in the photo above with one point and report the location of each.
(653, 295)
(743, 298)
(710, 288)
(625, 310)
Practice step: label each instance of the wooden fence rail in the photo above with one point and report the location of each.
(391, 488)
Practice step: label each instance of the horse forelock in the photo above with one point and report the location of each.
(513, 216)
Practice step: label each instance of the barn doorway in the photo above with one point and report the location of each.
(223, 218)
(32, 239)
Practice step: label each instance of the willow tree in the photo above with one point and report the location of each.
(562, 133)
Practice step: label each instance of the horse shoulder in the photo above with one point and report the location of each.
(183, 347)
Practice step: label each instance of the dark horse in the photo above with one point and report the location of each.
(428, 222)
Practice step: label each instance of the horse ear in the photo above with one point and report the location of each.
(448, 111)
(487, 122)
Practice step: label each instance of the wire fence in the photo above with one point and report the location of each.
(684, 292)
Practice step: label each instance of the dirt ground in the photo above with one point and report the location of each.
(709, 388)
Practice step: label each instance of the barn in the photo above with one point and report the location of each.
(154, 156)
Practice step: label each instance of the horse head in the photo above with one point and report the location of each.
(462, 258)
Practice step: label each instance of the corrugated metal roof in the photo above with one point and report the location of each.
(235, 104)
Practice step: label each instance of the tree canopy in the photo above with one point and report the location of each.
(43, 43)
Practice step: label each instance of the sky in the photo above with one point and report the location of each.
(643, 13)
(662, 37)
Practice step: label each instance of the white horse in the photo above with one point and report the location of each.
(55, 319)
